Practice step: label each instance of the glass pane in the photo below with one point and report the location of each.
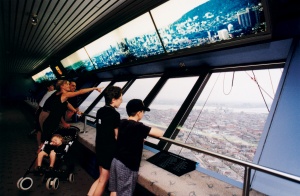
(166, 104)
(229, 119)
(138, 90)
(89, 100)
(101, 103)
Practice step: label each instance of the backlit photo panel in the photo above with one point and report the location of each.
(135, 40)
(78, 62)
(193, 23)
(44, 76)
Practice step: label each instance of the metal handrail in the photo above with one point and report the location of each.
(248, 166)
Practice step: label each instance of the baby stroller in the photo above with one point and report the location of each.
(63, 166)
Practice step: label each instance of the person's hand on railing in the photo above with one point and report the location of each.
(79, 113)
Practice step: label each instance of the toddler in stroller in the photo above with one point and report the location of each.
(58, 166)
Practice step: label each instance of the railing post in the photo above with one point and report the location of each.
(84, 125)
(246, 186)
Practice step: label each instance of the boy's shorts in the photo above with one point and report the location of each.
(122, 180)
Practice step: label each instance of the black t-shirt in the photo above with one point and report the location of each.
(57, 149)
(49, 102)
(74, 101)
(130, 143)
(107, 120)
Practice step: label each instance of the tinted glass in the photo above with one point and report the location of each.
(101, 103)
(89, 100)
(166, 104)
(229, 118)
(138, 90)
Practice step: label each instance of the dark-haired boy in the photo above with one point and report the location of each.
(108, 120)
(131, 135)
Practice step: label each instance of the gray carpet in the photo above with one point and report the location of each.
(17, 151)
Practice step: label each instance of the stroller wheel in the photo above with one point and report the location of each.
(55, 184)
(24, 183)
(71, 177)
(18, 183)
(52, 183)
(48, 184)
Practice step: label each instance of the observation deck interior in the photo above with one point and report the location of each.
(260, 71)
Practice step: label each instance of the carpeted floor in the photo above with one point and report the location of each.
(17, 151)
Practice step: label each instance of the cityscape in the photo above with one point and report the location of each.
(224, 131)
(208, 23)
(234, 132)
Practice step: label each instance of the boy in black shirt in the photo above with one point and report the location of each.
(131, 135)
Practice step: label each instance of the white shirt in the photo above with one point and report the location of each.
(45, 97)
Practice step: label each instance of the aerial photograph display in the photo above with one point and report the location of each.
(177, 25)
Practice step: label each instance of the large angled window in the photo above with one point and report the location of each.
(89, 100)
(229, 118)
(101, 103)
(166, 104)
(138, 90)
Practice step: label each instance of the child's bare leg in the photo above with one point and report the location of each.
(52, 158)
(40, 158)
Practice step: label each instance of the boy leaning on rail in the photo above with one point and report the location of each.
(130, 141)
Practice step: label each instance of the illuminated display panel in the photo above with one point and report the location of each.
(193, 23)
(44, 76)
(78, 62)
(135, 40)
(182, 25)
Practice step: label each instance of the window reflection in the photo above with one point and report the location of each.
(101, 103)
(138, 90)
(229, 119)
(167, 102)
(89, 100)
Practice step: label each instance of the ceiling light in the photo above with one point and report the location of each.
(34, 19)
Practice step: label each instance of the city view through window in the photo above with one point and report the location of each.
(228, 117)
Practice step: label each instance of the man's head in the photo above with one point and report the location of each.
(134, 106)
(72, 86)
(49, 86)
